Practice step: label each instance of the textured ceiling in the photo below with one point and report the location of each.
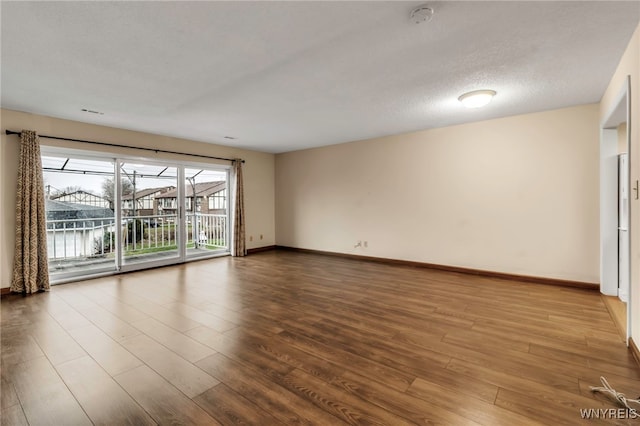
(281, 76)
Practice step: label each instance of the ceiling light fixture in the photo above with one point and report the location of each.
(477, 98)
(421, 14)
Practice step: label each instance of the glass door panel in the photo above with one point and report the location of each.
(80, 215)
(150, 231)
(206, 211)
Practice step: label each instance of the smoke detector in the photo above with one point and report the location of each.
(421, 14)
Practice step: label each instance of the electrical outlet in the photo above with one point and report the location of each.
(366, 244)
(260, 236)
(250, 237)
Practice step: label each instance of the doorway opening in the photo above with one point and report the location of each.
(616, 192)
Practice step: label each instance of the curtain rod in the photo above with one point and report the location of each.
(12, 132)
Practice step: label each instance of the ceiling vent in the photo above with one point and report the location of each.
(92, 111)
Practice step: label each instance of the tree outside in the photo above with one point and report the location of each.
(108, 186)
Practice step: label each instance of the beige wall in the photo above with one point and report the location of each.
(630, 65)
(258, 171)
(622, 137)
(516, 195)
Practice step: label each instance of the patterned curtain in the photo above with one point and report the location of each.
(239, 248)
(30, 267)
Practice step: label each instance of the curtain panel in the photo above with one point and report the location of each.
(30, 266)
(239, 247)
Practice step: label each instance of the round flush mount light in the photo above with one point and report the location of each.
(477, 98)
(421, 14)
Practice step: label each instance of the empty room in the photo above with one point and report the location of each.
(320, 212)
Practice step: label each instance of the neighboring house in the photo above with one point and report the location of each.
(82, 197)
(146, 204)
(74, 228)
(210, 198)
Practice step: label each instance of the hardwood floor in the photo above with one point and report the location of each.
(292, 338)
(618, 311)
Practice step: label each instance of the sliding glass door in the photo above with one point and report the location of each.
(149, 214)
(81, 225)
(106, 215)
(207, 224)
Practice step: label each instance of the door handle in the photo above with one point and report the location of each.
(636, 189)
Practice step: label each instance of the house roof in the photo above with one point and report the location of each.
(67, 210)
(148, 191)
(282, 76)
(203, 189)
(80, 192)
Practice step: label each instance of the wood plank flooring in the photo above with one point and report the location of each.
(618, 310)
(294, 338)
